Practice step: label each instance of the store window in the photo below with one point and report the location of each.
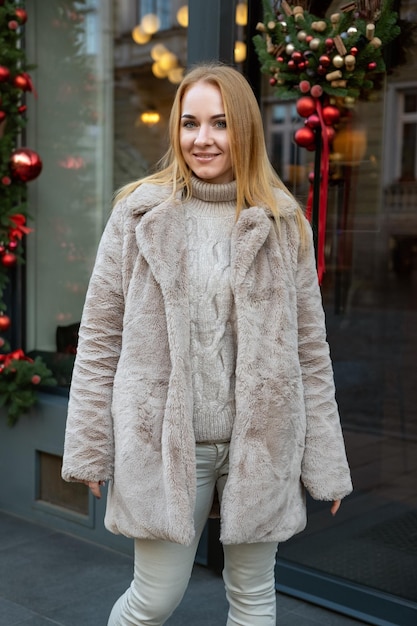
(70, 123)
(407, 117)
(288, 159)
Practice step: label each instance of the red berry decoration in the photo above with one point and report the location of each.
(4, 323)
(4, 74)
(372, 66)
(316, 91)
(6, 180)
(305, 106)
(36, 379)
(304, 137)
(13, 25)
(25, 164)
(304, 86)
(331, 115)
(8, 259)
(21, 15)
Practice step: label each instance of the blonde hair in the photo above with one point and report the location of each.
(255, 177)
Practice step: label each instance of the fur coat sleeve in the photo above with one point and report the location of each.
(324, 466)
(89, 447)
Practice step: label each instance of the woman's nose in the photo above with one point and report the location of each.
(203, 136)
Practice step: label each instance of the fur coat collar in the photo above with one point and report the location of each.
(130, 410)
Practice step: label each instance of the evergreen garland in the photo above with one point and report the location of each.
(297, 46)
(20, 376)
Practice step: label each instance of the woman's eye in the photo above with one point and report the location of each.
(188, 124)
(221, 124)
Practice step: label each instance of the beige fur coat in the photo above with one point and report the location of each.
(130, 409)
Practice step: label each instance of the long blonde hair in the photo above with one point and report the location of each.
(255, 177)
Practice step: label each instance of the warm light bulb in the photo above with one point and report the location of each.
(158, 71)
(150, 118)
(176, 75)
(242, 14)
(139, 36)
(157, 51)
(168, 61)
(182, 16)
(150, 23)
(240, 51)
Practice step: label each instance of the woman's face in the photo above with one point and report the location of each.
(204, 136)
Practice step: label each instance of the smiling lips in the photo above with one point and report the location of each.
(205, 156)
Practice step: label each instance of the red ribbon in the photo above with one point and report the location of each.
(324, 182)
(16, 355)
(31, 86)
(19, 228)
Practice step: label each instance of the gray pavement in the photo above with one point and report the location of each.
(51, 578)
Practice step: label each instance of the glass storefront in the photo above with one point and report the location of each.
(106, 77)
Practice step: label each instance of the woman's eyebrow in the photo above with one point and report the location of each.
(213, 117)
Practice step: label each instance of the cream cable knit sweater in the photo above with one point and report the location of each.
(210, 215)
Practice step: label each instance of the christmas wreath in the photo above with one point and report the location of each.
(326, 64)
(20, 376)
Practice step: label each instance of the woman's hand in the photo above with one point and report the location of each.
(94, 487)
(335, 506)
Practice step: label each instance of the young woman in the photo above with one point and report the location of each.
(202, 364)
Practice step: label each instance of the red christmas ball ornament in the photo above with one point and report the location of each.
(297, 56)
(354, 51)
(313, 121)
(272, 81)
(4, 74)
(12, 245)
(21, 15)
(321, 71)
(302, 65)
(4, 323)
(280, 59)
(22, 82)
(291, 65)
(308, 38)
(324, 60)
(6, 180)
(372, 66)
(25, 164)
(8, 259)
(22, 108)
(304, 137)
(330, 131)
(304, 86)
(36, 379)
(13, 25)
(331, 115)
(316, 91)
(2, 116)
(329, 43)
(305, 106)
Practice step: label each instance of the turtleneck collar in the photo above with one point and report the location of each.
(212, 192)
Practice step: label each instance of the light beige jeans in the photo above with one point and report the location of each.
(163, 569)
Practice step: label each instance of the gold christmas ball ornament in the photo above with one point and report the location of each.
(338, 61)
